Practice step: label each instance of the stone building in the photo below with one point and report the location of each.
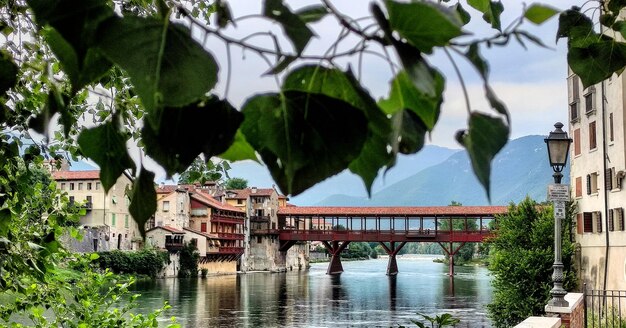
(598, 166)
(261, 238)
(107, 222)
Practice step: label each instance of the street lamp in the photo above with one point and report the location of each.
(558, 148)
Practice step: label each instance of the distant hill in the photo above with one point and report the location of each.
(520, 169)
(347, 184)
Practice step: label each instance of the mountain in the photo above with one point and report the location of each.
(520, 169)
(346, 183)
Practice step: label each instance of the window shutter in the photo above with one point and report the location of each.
(608, 179)
(588, 222)
(588, 184)
(599, 221)
(611, 224)
(579, 223)
(620, 212)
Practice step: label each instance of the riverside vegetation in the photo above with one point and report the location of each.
(81, 64)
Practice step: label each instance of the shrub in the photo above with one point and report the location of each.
(148, 262)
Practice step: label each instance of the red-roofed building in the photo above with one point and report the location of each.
(105, 212)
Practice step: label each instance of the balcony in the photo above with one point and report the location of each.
(225, 219)
(231, 250)
(260, 218)
(199, 212)
(230, 236)
(174, 246)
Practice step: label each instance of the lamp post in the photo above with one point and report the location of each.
(558, 148)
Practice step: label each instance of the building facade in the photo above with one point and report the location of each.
(598, 166)
(107, 222)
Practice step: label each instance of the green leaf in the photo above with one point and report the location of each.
(423, 24)
(5, 220)
(343, 86)
(167, 67)
(473, 55)
(94, 256)
(424, 99)
(143, 199)
(224, 14)
(491, 11)
(8, 72)
(574, 24)
(55, 102)
(239, 150)
(294, 27)
(73, 24)
(206, 127)
(484, 139)
(311, 14)
(463, 14)
(539, 13)
(615, 6)
(597, 60)
(410, 130)
(303, 138)
(106, 145)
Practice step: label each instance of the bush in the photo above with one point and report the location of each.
(188, 261)
(148, 262)
(521, 258)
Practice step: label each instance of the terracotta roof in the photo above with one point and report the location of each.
(393, 211)
(168, 228)
(210, 201)
(249, 192)
(201, 233)
(165, 189)
(76, 175)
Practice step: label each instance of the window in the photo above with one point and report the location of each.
(203, 227)
(575, 88)
(62, 186)
(239, 201)
(609, 175)
(587, 222)
(72, 186)
(576, 142)
(88, 185)
(166, 206)
(592, 183)
(592, 135)
(259, 239)
(97, 185)
(126, 221)
(598, 220)
(611, 132)
(88, 200)
(114, 200)
(113, 219)
(573, 111)
(618, 215)
(80, 186)
(611, 223)
(589, 107)
(71, 200)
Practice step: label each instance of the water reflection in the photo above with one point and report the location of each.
(363, 296)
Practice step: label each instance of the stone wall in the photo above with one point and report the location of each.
(218, 268)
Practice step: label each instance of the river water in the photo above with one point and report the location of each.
(362, 296)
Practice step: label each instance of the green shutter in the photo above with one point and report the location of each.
(126, 221)
(113, 219)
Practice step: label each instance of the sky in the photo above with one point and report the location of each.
(531, 82)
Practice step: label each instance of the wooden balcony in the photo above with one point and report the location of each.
(174, 246)
(230, 236)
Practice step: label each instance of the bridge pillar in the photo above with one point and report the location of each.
(392, 251)
(335, 267)
(451, 252)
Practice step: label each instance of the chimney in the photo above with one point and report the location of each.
(253, 190)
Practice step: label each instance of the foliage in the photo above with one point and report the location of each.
(188, 261)
(359, 250)
(236, 183)
(200, 172)
(521, 258)
(438, 321)
(41, 283)
(148, 262)
(321, 121)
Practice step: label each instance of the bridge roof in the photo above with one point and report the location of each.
(393, 211)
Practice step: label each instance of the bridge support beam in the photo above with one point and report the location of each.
(335, 267)
(451, 251)
(392, 251)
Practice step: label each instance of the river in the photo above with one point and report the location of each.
(362, 296)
